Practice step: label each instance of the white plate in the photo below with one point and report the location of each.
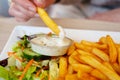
(74, 34)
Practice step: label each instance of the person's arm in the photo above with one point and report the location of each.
(110, 16)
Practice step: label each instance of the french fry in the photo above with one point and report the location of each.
(76, 57)
(71, 49)
(117, 45)
(96, 73)
(119, 56)
(94, 44)
(71, 77)
(79, 74)
(71, 59)
(94, 60)
(108, 65)
(99, 53)
(93, 78)
(112, 49)
(82, 67)
(103, 40)
(116, 67)
(48, 21)
(70, 70)
(83, 47)
(106, 51)
(63, 67)
(88, 43)
(85, 76)
(81, 52)
(96, 64)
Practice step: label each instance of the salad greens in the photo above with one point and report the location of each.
(41, 68)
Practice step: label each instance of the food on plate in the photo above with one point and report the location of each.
(50, 45)
(61, 41)
(112, 49)
(48, 21)
(25, 64)
(84, 60)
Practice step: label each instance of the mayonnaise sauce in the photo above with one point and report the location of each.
(51, 45)
(51, 41)
(62, 39)
(62, 33)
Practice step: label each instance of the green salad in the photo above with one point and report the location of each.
(25, 64)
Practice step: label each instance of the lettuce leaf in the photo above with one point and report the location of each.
(29, 73)
(4, 74)
(44, 75)
(53, 69)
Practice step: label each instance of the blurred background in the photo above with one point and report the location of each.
(62, 11)
(4, 5)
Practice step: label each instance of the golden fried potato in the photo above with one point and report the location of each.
(99, 53)
(96, 64)
(63, 65)
(112, 49)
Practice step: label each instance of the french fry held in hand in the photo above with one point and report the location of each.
(48, 21)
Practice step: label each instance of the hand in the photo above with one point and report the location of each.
(23, 10)
(110, 16)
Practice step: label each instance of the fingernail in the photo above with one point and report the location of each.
(32, 9)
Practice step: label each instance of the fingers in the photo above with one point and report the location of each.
(26, 4)
(22, 10)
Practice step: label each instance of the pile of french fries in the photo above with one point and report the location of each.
(88, 60)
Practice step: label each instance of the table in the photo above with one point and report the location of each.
(7, 25)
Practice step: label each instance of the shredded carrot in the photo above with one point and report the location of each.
(22, 48)
(26, 68)
(13, 54)
(19, 44)
(49, 77)
(49, 34)
(38, 73)
(21, 69)
(18, 58)
(35, 63)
